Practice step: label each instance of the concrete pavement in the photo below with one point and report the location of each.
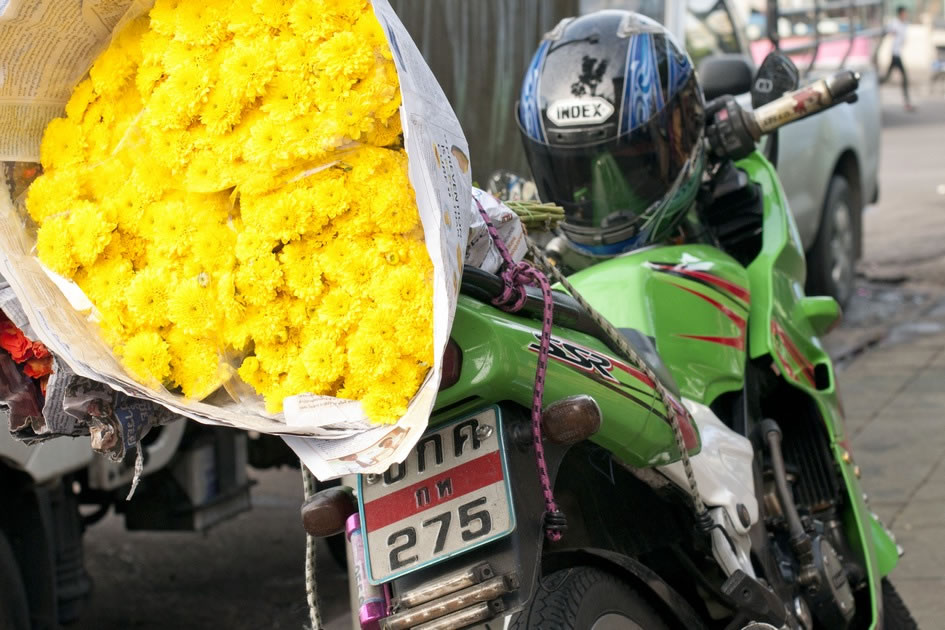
(895, 403)
(894, 394)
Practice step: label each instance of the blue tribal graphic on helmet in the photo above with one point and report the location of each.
(680, 69)
(529, 113)
(642, 96)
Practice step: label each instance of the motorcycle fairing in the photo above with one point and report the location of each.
(499, 355)
(693, 300)
(779, 328)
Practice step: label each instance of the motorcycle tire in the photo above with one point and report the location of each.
(585, 598)
(896, 615)
(831, 261)
(14, 608)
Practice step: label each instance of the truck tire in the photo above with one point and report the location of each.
(585, 598)
(896, 615)
(14, 608)
(831, 262)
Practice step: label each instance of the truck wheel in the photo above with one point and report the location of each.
(584, 598)
(14, 609)
(831, 262)
(895, 614)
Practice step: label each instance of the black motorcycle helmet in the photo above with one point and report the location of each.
(612, 118)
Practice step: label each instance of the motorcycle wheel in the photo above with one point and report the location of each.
(14, 610)
(896, 615)
(831, 262)
(585, 598)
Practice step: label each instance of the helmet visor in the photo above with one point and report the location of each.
(609, 185)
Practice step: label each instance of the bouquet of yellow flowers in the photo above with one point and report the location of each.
(229, 189)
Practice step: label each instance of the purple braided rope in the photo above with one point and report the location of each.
(515, 277)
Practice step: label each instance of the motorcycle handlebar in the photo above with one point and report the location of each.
(808, 100)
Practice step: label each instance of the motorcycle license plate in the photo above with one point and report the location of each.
(450, 495)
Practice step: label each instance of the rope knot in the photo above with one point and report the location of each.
(515, 277)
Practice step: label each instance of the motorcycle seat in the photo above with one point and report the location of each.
(568, 313)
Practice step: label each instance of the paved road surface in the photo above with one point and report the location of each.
(245, 574)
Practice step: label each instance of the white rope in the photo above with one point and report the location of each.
(311, 587)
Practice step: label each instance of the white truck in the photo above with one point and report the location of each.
(829, 163)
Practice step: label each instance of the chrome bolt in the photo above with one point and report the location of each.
(484, 432)
(846, 457)
(371, 479)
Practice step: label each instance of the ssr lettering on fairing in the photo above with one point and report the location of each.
(578, 356)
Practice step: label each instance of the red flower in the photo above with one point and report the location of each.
(40, 351)
(15, 342)
(33, 353)
(38, 368)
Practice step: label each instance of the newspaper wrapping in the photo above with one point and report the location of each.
(47, 46)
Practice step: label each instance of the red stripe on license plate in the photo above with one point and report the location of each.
(421, 496)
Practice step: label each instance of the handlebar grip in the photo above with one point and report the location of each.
(808, 100)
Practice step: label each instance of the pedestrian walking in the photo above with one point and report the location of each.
(898, 29)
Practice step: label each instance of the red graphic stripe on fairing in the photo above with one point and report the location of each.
(632, 371)
(735, 290)
(733, 342)
(465, 478)
(737, 319)
(807, 368)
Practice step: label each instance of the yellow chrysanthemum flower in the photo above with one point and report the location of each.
(195, 364)
(111, 71)
(247, 67)
(288, 96)
(282, 215)
(387, 402)
(82, 95)
(222, 111)
(272, 13)
(53, 194)
(105, 283)
(303, 274)
(149, 178)
(206, 174)
(63, 144)
(323, 362)
(147, 359)
(148, 294)
(345, 55)
(258, 279)
(90, 231)
(243, 21)
(193, 308)
(200, 23)
(173, 226)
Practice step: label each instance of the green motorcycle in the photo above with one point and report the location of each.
(694, 470)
